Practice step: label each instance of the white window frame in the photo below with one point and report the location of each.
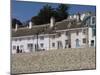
(13, 47)
(85, 40)
(42, 45)
(53, 44)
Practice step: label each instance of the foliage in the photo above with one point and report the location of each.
(15, 21)
(44, 15)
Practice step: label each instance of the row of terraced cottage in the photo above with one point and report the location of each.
(77, 31)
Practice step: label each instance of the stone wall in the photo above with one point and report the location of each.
(54, 60)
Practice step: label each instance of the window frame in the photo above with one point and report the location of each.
(84, 31)
(15, 47)
(30, 47)
(42, 45)
(92, 43)
(84, 40)
(66, 42)
(53, 44)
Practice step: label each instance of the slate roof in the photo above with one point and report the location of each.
(65, 24)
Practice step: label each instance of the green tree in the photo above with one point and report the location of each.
(15, 21)
(62, 11)
(45, 13)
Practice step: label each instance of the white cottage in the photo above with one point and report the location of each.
(74, 32)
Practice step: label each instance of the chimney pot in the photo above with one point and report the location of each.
(30, 24)
(52, 22)
(16, 27)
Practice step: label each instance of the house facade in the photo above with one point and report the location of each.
(77, 31)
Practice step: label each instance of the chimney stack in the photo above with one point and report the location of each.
(52, 22)
(30, 24)
(16, 27)
(78, 17)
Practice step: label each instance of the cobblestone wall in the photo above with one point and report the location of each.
(54, 60)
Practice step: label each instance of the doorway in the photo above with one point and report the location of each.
(77, 43)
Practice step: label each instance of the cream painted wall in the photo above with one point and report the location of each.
(48, 40)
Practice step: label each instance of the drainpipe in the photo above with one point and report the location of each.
(49, 42)
(87, 36)
(37, 40)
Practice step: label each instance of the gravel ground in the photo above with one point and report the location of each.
(53, 60)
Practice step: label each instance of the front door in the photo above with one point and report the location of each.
(18, 49)
(35, 47)
(77, 43)
(59, 45)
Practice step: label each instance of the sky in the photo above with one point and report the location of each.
(24, 11)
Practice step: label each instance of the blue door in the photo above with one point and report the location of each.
(77, 43)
